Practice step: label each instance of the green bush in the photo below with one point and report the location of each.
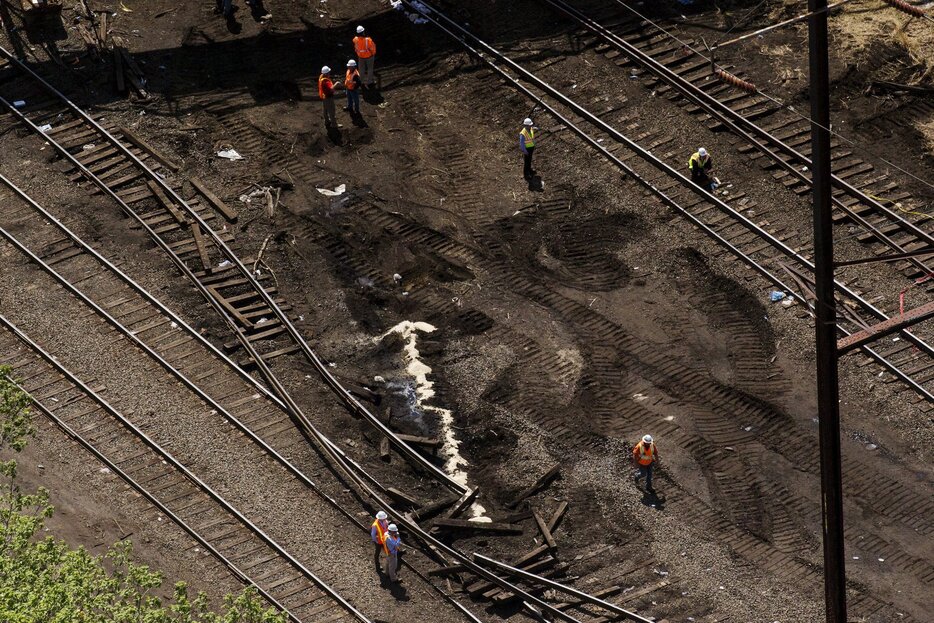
(45, 581)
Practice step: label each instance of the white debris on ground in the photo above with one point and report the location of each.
(454, 464)
(340, 190)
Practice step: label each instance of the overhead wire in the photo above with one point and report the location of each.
(777, 101)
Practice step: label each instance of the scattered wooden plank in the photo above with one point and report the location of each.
(133, 138)
(642, 591)
(202, 250)
(384, 454)
(220, 206)
(462, 504)
(538, 484)
(517, 517)
(482, 526)
(543, 528)
(426, 442)
(233, 311)
(433, 508)
(529, 557)
(403, 498)
(118, 72)
(156, 190)
(557, 517)
(601, 594)
(479, 587)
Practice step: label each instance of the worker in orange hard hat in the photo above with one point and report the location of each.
(366, 56)
(644, 456)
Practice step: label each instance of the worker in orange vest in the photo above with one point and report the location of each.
(352, 83)
(644, 456)
(378, 531)
(366, 55)
(326, 88)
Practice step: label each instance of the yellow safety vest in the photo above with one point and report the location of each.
(529, 134)
(696, 157)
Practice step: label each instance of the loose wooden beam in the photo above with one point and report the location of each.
(220, 206)
(482, 526)
(432, 508)
(403, 498)
(461, 505)
(538, 484)
(202, 250)
(384, 453)
(133, 138)
(543, 528)
(557, 517)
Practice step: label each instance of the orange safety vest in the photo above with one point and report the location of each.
(321, 80)
(364, 46)
(348, 80)
(381, 533)
(643, 455)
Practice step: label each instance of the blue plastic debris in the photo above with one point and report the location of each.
(776, 296)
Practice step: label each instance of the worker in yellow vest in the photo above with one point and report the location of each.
(366, 55)
(527, 147)
(644, 456)
(378, 532)
(701, 165)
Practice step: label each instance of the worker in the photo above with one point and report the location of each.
(644, 456)
(701, 165)
(393, 549)
(366, 55)
(352, 83)
(378, 531)
(527, 147)
(326, 88)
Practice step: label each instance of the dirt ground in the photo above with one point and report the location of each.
(568, 322)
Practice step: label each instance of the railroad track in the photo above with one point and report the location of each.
(781, 258)
(147, 324)
(142, 181)
(244, 549)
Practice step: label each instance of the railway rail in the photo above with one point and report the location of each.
(136, 176)
(243, 548)
(230, 391)
(727, 224)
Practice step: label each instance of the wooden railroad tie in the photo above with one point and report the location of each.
(229, 213)
(134, 139)
(481, 526)
(538, 484)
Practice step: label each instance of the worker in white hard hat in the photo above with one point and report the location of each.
(352, 83)
(393, 549)
(527, 147)
(366, 55)
(378, 532)
(644, 456)
(326, 88)
(701, 165)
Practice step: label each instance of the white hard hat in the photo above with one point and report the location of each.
(647, 439)
(527, 121)
(393, 528)
(351, 63)
(325, 70)
(701, 152)
(382, 515)
(360, 29)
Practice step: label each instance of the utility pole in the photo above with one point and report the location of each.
(828, 390)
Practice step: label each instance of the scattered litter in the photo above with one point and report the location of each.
(45, 128)
(788, 302)
(378, 379)
(669, 418)
(174, 325)
(396, 277)
(301, 317)
(804, 168)
(230, 154)
(88, 147)
(747, 428)
(855, 557)
(880, 559)
(19, 103)
(639, 397)
(125, 8)
(405, 294)
(40, 466)
(224, 264)
(262, 320)
(54, 399)
(332, 365)
(776, 296)
(871, 446)
(104, 470)
(896, 339)
(337, 192)
(661, 572)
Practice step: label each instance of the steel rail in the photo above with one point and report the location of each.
(165, 455)
(345, 396)
(237, 370)
(564, 588)
(657, 163)
(733, 120)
